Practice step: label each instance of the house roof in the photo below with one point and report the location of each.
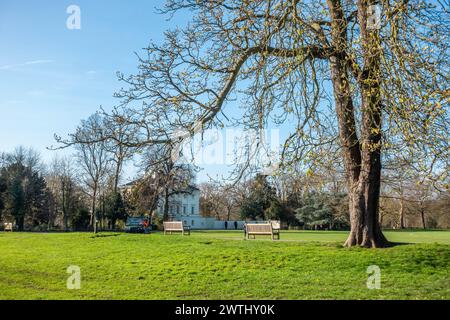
(131, 184)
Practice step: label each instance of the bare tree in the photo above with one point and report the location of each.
(120, 152)
(422, 194)
(210, 199)
(61, 180)
(166, 174)
(29, 157)
(93, 159)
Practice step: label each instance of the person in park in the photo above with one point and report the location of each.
(146, 223)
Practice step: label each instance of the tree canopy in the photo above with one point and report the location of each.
(366, 80)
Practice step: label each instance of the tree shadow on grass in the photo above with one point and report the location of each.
(398, 244)
(416, 230)
(105, 235)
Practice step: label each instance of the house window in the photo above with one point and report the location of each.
(184, 209)
(192, 210)
(178, 209)
(193, 222)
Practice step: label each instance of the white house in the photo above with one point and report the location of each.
(185, 206)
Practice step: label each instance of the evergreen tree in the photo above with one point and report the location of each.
(318, 211)
(115, 208)
(25, 195)
(16, 201)
(261, 197)
(81, 219)
(3, 188)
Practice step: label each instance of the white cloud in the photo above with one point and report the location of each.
(27, 63)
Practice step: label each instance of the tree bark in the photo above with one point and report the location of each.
(362, 161)
(365, 225)
(20, 222)
(117, 174)
(402, 213)
(93, 221)
(166, 205)
(64, 206)
(422, 215)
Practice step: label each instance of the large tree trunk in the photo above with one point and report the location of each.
(364, 206)
(365, 225)
(362, 163)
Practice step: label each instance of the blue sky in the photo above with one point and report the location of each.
(52, 77)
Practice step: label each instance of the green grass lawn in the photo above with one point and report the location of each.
(220, 265)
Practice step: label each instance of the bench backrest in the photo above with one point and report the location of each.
(8, 226)
(173, 225)
(276, 224)
(259, 228)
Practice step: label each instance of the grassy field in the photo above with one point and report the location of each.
(220, 265)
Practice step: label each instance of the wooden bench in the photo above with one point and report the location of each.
(176, 226)
(254, 229)
(8, 227)
(276, 224)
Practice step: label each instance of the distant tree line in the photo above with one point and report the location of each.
(82, 192)
(62, 195)
(39, 197)
(319, 202)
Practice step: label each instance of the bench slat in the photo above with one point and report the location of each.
(176, 226)
(261, 229)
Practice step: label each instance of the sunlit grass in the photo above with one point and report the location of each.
(221, 265)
